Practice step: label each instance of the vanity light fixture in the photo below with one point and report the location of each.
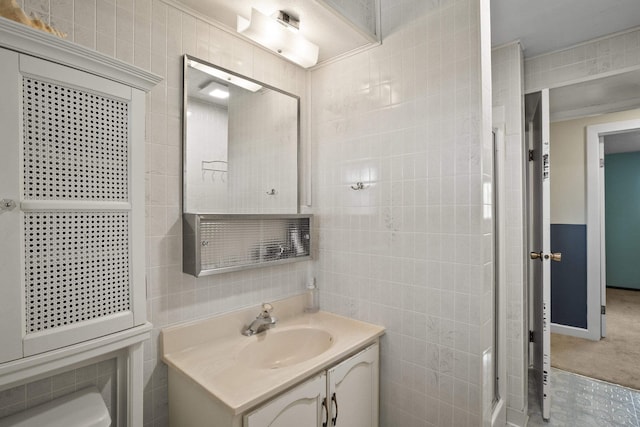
(227, 77)
(279, 35)
(216, 90)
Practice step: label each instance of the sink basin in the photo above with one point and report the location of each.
(280, 348)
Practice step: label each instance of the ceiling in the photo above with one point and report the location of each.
(541, 25)
(622, 142)
(546, 25)
(619, 92)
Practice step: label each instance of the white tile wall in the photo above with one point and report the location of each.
(264, 156)
(507, 69)
(584, 61)
(153, 35)
(208, 142)
(412, 250)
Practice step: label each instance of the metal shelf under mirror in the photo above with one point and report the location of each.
(220, 243)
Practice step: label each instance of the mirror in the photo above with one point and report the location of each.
(240, 143)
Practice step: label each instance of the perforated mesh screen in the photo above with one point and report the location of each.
(77, 267)
(231, 243)
(75, 144)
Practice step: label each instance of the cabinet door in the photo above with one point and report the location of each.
(10, 220)
(299, 407)
(72, 257)
(353, 390)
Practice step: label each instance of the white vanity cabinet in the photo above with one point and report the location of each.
(349, 391)
(314, 369)
(352, 395)
(303, 405)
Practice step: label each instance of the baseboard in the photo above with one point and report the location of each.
(622, 288)
(517, 418)
(572, 331)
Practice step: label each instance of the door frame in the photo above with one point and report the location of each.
(499, 412)
(596, 255)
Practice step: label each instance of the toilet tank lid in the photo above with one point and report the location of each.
(82, 408)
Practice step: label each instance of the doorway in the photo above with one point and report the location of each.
(617, 363)
(612, 161)
(580, 159)
(600, 140)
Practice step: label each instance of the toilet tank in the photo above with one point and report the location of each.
(84, 408)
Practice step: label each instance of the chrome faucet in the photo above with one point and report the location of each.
(263, 321)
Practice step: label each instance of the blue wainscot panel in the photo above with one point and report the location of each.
(622, 214)
(569, 277)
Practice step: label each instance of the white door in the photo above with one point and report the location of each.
(353, 390)
(301, 406)
(540, 250)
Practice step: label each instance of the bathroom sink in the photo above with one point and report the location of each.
(276, 349)
(242, 372)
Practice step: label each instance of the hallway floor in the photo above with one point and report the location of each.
(578, 401)
(613, 359)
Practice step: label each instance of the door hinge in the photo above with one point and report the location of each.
(531, 336)
(531, 156)
(601, 163)
(603, 309)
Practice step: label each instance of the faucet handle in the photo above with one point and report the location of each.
(266, 309)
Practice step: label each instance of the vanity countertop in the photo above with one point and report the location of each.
(208, 352)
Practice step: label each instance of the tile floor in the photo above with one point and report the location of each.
(578, 401)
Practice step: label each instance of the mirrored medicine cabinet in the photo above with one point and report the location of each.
(240, 173)
(240, 144)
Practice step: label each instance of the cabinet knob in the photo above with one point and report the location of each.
(326, 412)
(334, 400)
(7, 204)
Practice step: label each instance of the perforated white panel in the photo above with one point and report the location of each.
(75, 144)
(235, 242)
(76, 267)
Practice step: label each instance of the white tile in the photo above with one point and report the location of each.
(124, 25)
(62, 9)
(124, 50)
(105, 18)
(84, 36)
(142, 32)
(142, 57)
